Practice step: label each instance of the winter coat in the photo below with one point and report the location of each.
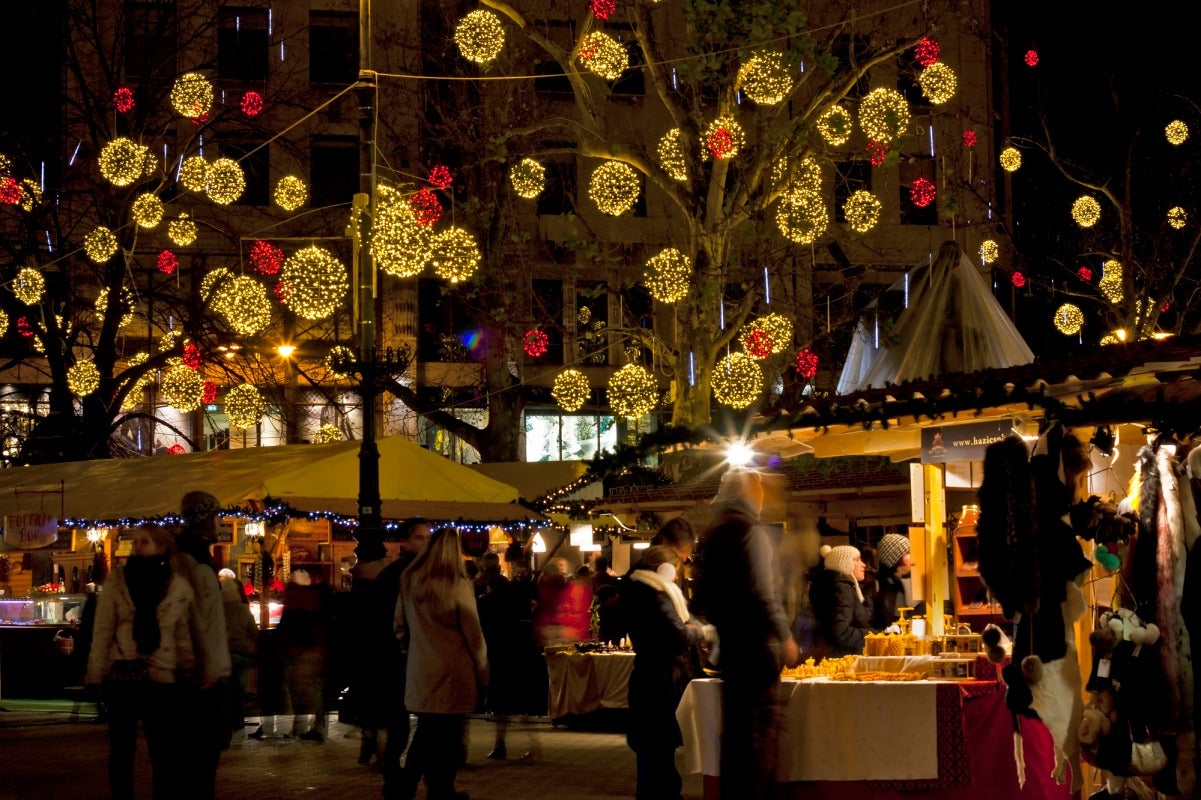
(243, 631)
(113, 639)
(447, 657)
(889, 590)
(842, 618)
(661, 640)
(207, 621)
(307, 619)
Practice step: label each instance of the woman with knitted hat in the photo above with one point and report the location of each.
(892, 553)
(842, 617)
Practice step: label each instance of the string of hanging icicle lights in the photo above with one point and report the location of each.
(454, 255)
(614, 187)
(28, 286)
(802, 217)
(571, 390)
(884, 114)
(226, 182)
(862, 211)
(1069, 319)
(603, 55)
(737, 380)
(667, 275)
(290, 193)
(100, 245)
(192, 95)
(938, 83)
(834, 125)
(182, 231)
(316, 281)
(1086, 211)
(147, 210)
(83, 378)
(480, 36)
(765, 78)
(194, 173)
(528, 178)
(127, 302)
(632, 391)
(245, 305)
(182, 388)
(122, 161)
(671, 155)
(244, 405)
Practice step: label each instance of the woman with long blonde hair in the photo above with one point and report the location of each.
(447, 661)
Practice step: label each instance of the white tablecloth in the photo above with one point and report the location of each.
(831, 731)
(583, 682)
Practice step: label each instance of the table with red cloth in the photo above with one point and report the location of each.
(951, 740)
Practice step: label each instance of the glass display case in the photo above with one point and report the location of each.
(50, 609)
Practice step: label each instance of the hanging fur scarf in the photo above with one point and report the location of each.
(1008, 548)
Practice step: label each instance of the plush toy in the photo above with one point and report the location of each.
(1109, 561)
(1126, 626)
(1100, 715)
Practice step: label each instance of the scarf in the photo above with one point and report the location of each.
(656, 582)
(147, 579)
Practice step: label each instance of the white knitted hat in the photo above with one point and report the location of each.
(840, 559)
(892, 548)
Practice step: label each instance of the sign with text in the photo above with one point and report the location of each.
(31, 530)
(225, 530)
(948, 443)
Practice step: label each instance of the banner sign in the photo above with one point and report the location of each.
(31, 530)
(962, 442)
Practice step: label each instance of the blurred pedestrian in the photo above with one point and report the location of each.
(374, 662)
(447, 662)
(678, 534)
(304, 632)
(243, 636)
(141, 640)
(736, 590)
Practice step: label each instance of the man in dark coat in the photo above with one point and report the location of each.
(736, 591)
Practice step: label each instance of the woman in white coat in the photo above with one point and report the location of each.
(141, 641)
(447, 662)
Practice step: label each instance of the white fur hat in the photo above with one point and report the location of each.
(840, 559)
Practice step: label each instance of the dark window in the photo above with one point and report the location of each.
(850, 51)
(909, 170)
(849, 177)
(559, 195)
(907, 72)
(639, 312)
(551, 78)
(632, 82)
(333, 169)
(150, 42)
(443, 323)
(333, 47)
(592, 325)
(548, 316)
(242, 44)
(255, 159)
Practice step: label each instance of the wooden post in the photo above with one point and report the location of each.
(935, 588)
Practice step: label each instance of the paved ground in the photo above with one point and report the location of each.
(62, 757)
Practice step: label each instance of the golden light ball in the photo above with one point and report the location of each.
(83, 378)
(614, 187)
(603, 55)
(3, 323)
(455, 255)
(1011, 159)
(32, 195)
(147, 210)
(938, 83)
(127, 303)
(245, 406)
(1111, 283)
(245, 305)
(1069, 319)
(766, 78)
(400, 244)
(1086, 211)
(480, 36)
(226, 182)
(28, 286)
(990, 251)
(777, 327)
(182, 231)
(290, 193)
(316, 282)
(134, 396)
(339, 363)
(884, 115)
(213, 289)
(737, 380)
(122, 161)
(327, 434)
(571, 390)
(834, 125)
(100, 245)
(672, 157)
(528, 178)
(1176, 132)
(862, 211)
(802, 217)
(632, 391)
(194, 173)
(668, 275)
(724, 138)
(182, 388)
(192, 95)
(1177, 217)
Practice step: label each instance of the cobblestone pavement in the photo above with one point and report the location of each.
(51, 757)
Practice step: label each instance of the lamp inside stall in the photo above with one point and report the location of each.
(739, 453)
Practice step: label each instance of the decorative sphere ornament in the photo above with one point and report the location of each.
(440, 177)
(244, 405)
(758, 344)
(765, 78)
(182, 388)
(877, 152)
(340, 362)
(245, 305)
(10, 191)
(127, 303)
(327, 434)
(290, 193)
(147, 210)
(603, 55)
(182, 231)
(777, 327)
(614, 187)
(122, 161)
(480, 36)
(3, 323)
(990, 251)
(31, 194)
(528, 178)
(926, 51)
(134, 396)
(671, 155)
(225, 181)
(194, 173)
(1085, 274)
(602, 9)
(1069, 319)
(724, 138)
(667, 275)
(535, 343)
(1176, 132)
(802, 217)
(100, 245)
(1086, 211)
(1110, 284)
(884, 114)
(862, 211)
(83, 378)
(632, 391)
(1011, 159)
(210, 393)
(400, 244)
(737, 380)
(252, 104)
(426, 207)
(835, 125)
(28, 286)
(571, 390)
(969, 138)
(1031, 58)
(123, 100)
(938, 83)
(192, 358)
(192, 95)
(454, 254)
(1018, 279)
(806, 364)
(1177, 217)
(317, 282)
(921, 192)
(266, 258)
(167, 262)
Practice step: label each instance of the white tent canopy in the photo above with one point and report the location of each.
(413, 481)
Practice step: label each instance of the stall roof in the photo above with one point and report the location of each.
(533, 478)
(147, 487)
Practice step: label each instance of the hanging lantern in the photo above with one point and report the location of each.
(454, 255)
(571, 390)
(737, 380)
(244, 405)
(317, 282)
(182, 388)
(667, 275)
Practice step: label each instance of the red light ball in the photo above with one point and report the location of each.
(721, 143)
(806, 363)
(426, 207)
(759, 343)
(969, 138)
(11, 191)
(123, 100)
(1031, 58)
(1018, 279)
(440, 177)
(926, 51)
(602, 9)
(1085, 274)
(210, 393)
(266, 258)
(535, 343)
(176, 449)
(922, 192)
(252, 104)
(191, 356)
(877, 152)
(168, 262)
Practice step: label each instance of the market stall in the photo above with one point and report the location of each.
(584, 682)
